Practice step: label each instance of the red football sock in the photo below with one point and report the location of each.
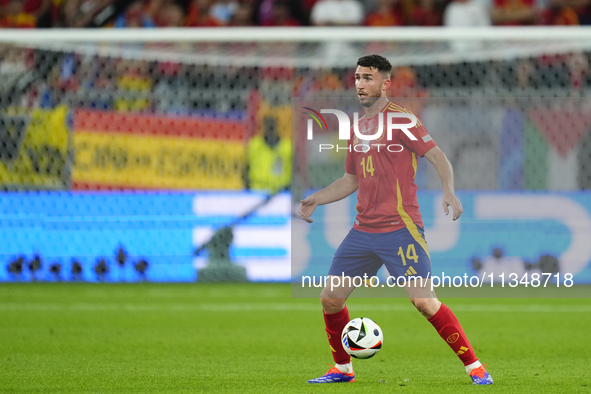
(335, 322)
(449, 328)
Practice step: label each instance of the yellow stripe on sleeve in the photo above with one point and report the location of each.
(398, 108)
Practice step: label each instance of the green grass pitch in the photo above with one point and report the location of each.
(254, 338)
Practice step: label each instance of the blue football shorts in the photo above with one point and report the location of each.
(403, 254)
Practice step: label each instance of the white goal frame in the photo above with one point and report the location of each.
(295, 34)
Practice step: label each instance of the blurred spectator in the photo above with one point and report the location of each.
(403, 83)
(25, 13)
(581, 7)
(35, 265)
(55, 270)
(326, 81)
(77, 13)
(317, 82)
(13, 63)
(95, 86)
(101, 269)
(269, 159)
(559, 12)
(137, 15)
(551, 71)
(524, 74)
(134, 86)
(264, 11)
(424, 13)
(578, 66)
(171, 15)
(280, 15)
(51, 94)
(199, 15)
(307, 5)
(243, 15)
(386, 14)
(76, 270)
(337, 13)
(69, 14)
(171, 88)
(222, 11)
(466, 13)
(514, 12)
(15, 268)
(141, 267)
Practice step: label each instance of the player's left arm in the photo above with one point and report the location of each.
(445, 171)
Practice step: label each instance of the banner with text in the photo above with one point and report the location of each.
(129, 151)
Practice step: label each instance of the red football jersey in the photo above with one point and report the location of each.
(387, 195)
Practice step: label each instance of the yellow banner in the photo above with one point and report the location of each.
(120, 160)
(34, 148)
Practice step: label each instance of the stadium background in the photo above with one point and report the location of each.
(132, 146)
(122, 156)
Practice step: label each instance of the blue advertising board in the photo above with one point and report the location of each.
(164, 229)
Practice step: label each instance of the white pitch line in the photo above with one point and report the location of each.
(280, 307)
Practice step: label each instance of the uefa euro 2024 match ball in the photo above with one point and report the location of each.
(362, 338)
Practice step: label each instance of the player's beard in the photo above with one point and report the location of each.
(368, 101)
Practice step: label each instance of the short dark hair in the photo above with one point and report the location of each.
(376, 61)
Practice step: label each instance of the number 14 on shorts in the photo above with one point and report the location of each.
(411, 254)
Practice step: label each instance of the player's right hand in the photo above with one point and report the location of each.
(307, 207)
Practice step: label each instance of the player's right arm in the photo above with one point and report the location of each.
(336, 191)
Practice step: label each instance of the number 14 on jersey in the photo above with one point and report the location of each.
(367, 166)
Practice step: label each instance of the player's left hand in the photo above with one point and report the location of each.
(307, 207)
(450, 199)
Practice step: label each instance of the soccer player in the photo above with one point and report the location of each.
(388, 225)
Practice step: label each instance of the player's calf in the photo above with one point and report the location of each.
(450, 330)
(428, 307)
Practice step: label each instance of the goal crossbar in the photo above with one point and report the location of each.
(290, 34)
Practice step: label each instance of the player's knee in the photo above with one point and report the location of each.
(427, 306)
(332, 305)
